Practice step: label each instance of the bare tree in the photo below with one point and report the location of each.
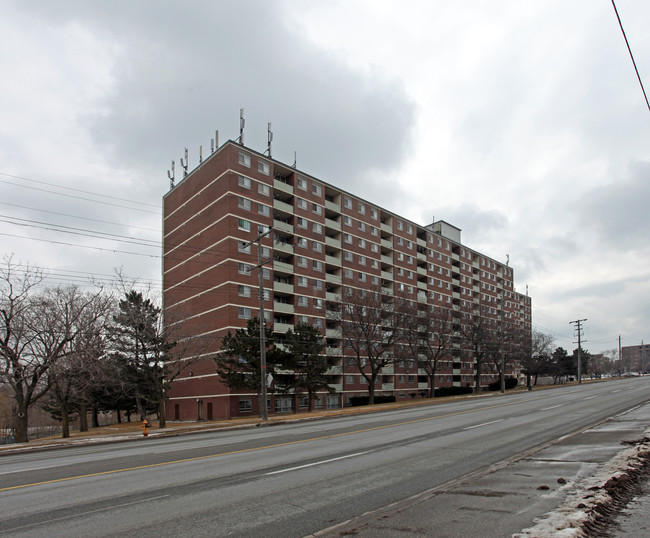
(370, 328)
(428, 332)
(36, 328)
(479, 333)
(537, 352)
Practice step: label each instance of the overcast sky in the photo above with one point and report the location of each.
(522, 123)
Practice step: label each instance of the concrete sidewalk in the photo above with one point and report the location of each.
(557, 490)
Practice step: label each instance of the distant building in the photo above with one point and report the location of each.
(324, 240)
(636, 358)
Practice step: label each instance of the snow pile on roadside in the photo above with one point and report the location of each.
(594, 497)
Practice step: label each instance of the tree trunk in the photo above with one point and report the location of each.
(65, 422)
(432, 384)
(119, 416)
(140, 407)
(83, 416)
(162, 414)
(371, 391)
(22, 433)
(95, 417)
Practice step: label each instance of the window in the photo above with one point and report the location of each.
(400, 225)
(318, 303)
(244, 247)
(374, 247)
(373, 213)
(347, 221)
(362, 277)
(317, 228)
(400, 257)
(244, 268)
(302, 203)
(374, 264)
(409, 229)
(303, 319)
(362, 226)
(302, 261)
(243, 291)
(318, 247)
(374, 231)
(264, 210)
(316, 209)
(400, 241)
(283, 405)
(303, 281)
(347, 203)
(263, 167)
(243, 313)
(375, 281)
(244, 203)
(245, 159)
(302, 223)
(302, 184)
(318, 285)
(362, 260)
(245, 406)
(362, 208)
(362, 243)
(347, 238)
(348, 256)
(244, 182)
(263, 189)
(244, 225)
(302, 242)
(316, 189)
(409, 245)
(266, 273)
(348, 273)
(303, 301)
(316, 265)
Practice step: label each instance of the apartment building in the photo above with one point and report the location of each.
(323, 241)
(636, 358)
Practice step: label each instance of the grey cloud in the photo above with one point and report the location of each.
(619, 212)
(185, 71)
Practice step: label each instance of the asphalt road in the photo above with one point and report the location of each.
(288, 480)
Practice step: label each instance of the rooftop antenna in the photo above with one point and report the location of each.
(295, 160)
(170, 175)
(270, 139)
(200, 153)
(185, 164)
(214, 142)
(507, 260)
(242, 122)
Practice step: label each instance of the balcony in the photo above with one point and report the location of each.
(338, 387)
(388, 370)
(332, 260)
(283, 206)
(386, 228)
(386, 275)
(332, 206)
(332, 242)
(332, 351)
(283, 246)
(387, 243)
(422, 285)
(387, 386)
(283, 308)
(334, 297)
(333, 333)
(282, 186)
(282, 287)
(281, 328)
(282, 226)
(333, 279)
(334, 370)
(423, 386)
(332, 224)
(282, 267)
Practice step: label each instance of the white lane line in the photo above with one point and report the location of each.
(617, 390)
(590, 397)
(316, 463)
(552, 407)
(484, 424)
(82, 514)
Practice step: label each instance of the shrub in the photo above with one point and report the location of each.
(451, 391)
(511, 383)
(356, 401)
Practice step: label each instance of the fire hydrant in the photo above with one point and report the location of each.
(145, 427)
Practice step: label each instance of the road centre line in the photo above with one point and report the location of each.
(484, 424)
(552, 407)
(277, 445)
(316, 463)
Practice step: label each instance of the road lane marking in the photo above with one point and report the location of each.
(82, 514)
(617, 390)
(254, 449)
(552, 407)
(590, 397)
(484, 424)
(316, 463)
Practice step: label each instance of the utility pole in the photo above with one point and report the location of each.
(578, 323)
(260, 262)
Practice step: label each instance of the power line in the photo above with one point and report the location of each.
(631, 56)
